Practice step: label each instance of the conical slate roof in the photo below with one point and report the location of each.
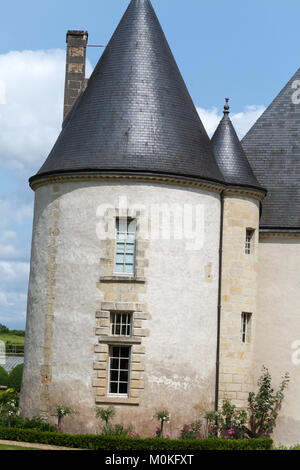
(136, 114)
(273, 149)
(230, 155)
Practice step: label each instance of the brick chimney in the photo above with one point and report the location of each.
(75, 67)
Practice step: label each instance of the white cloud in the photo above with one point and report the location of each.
(3, 300)
(31, 93)
(14, 211)
(242, 121)
(13, 271)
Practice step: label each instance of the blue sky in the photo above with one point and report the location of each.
(246, 50)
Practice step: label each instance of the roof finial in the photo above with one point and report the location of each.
(226, 106)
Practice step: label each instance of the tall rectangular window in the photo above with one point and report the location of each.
(246, 327)
(119, 366)
(249, 241)
(120, 324)
(125, 246)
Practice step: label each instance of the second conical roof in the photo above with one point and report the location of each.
(230, 155)
(136, 113)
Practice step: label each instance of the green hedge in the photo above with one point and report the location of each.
(15, 378)
(3, 376)
(96, 442)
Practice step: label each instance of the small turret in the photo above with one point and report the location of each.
(230, 155)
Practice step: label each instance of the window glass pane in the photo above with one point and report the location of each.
(123, 388)
(132, 226)
(114, 363)
(114, 375)
(130, 237)
(123, 364)
(129, 268)
(130, 248)
(129, 259)
(119, 268)
(124, 376)
(116, 351)
(120, 259)
(113, 387)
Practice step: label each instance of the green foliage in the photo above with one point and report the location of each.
(3, 376)
(191, 431)
(96, 442)
(163, 416)
(15, 378)
(265, 405)
(8, 338)
(9, 395)
(227, 423)
(3, 329)
(258, 421)
(9, 402)
(116, 430)
(17, 333)
(105, 414)
(62, 411)
(37, 423)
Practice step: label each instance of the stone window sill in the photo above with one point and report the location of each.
(119, 340)
(118, 401)
(129, 279)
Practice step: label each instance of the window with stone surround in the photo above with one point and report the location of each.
(249, 241)
(125, 246)
(119, 370)
(121, 324)
(246, 327)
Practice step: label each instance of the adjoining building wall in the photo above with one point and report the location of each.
(239, 291)
(72, 293)
(278, 325)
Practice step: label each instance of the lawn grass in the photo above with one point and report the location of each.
(14, 339)
(8, 447)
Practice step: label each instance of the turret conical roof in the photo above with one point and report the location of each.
(136, 114)
(230, 155)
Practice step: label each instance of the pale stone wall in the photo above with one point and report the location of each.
(239, 291)
(278, 325)
(174, 302)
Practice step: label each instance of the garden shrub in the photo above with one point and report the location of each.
(115, 430)
(15, 378)
(98, 442)
(3, 376)
(37, 423)
(191, 431)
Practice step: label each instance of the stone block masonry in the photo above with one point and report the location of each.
(239, 286)
(75, 67)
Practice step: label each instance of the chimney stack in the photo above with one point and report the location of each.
(75, 67)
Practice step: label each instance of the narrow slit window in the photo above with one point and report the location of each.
(121, 324)
(246, 327)
(119, 367)
(125, 246)
(249, 241)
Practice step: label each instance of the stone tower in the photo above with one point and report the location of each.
(124, 295)
(239, 265)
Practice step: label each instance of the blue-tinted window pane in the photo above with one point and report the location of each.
(119, 268)
(129, 268)
(129, 259)
(120, 258)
